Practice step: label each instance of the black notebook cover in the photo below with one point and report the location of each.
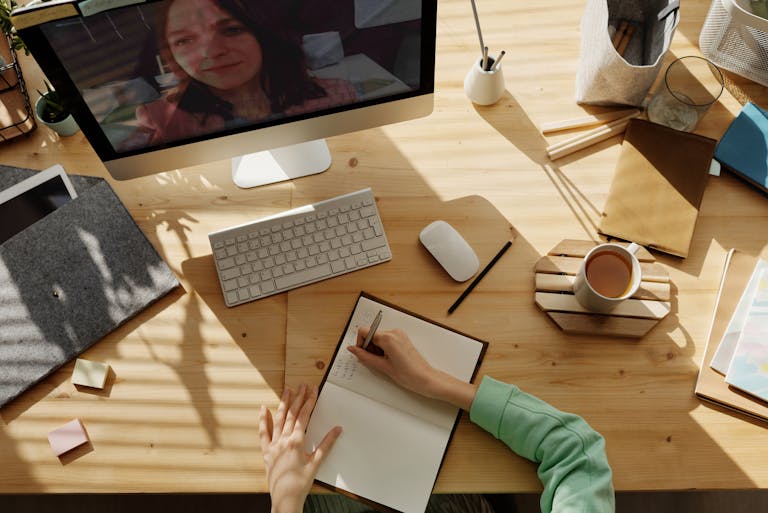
(70, 279)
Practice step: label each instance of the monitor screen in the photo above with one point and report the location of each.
(153, 78)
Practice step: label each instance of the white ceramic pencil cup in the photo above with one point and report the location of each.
(484, 87)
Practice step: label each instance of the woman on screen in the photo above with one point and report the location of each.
(232, 69)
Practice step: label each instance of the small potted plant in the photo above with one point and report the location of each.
(50, 111)
(6, 6)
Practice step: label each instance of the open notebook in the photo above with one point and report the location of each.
(393, 441)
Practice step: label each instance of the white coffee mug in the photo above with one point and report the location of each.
(587, 295)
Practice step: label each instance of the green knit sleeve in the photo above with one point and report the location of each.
(573, 466)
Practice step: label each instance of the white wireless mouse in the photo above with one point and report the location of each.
(450, 249)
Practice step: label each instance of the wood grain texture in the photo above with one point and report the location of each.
(180, 413)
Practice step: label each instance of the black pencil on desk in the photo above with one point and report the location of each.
(479, 277)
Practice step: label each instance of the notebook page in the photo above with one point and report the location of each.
(724, 353)
(444, 349)
(748, 370)
(383, 454)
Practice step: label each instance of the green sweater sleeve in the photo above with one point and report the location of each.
(573, 466)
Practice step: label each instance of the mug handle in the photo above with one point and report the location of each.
(633, 248)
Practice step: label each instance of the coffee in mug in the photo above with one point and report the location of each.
(609, 274)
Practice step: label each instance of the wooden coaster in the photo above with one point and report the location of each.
(634, 317)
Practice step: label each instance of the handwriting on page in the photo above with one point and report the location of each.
(345, 365)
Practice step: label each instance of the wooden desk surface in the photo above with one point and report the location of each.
(181, 412)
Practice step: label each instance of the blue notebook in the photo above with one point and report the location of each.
(743, 148)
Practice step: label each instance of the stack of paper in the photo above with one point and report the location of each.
(748, 369)
(734, 371)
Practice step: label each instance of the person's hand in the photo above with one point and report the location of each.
(290, 469)
(395, 356)
(398, 359)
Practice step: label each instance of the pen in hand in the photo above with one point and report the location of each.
(371, 332)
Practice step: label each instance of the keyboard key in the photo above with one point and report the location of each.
(376, 242)
(304, 276)
(337, 266)
(254, 290)
(228, 274)
(267, 287)
(226, 263)
(232, 297)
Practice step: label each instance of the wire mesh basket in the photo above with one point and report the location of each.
(736, 39)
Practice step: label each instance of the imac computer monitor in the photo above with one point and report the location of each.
(162, 85)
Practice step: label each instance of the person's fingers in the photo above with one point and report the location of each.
(279, 420)
(306, 410)
(370, 360)
(362, 332)
(293, 409)
(322, 450)
(265, 428)
(385, 340)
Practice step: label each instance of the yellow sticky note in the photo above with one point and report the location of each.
(90, 374)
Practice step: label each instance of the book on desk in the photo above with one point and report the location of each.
(394, 440)
(732, 308)
(743, 149)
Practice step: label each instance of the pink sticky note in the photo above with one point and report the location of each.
(67, 437)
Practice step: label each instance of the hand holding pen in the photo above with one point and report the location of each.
(366, 343)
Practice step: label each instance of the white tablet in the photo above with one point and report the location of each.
(23, 204)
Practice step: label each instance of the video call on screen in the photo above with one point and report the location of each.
(146, 82)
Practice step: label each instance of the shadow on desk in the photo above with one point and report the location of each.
(252, 326)
(637, 393)
(721, 192)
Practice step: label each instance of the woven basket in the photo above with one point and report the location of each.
(736, 40)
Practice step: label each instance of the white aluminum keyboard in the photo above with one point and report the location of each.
(299, 246)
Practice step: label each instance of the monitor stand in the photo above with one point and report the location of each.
(281, 164)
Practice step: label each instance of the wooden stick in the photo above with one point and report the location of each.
(592, 120)
(590, 133)
(620, 33)
(625, 40)
(606, 132)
